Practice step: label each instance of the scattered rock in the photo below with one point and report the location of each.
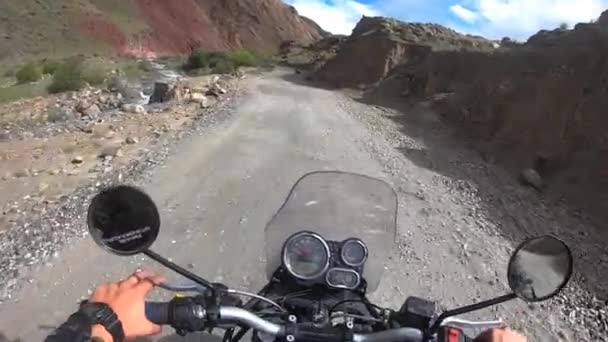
(131, 140)
(109, 150)
(133, 108)
(22, 173)
(42, 187)
(92, 112)
(199, 98)
(77, 160)
(532, 178)
(82, 106)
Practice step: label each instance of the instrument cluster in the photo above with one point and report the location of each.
(313, 260)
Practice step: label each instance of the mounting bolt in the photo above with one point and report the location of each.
(293, 318)
(290, 338)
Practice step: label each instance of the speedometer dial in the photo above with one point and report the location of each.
(306, 255)
(353, 252)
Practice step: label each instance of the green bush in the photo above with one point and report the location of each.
(244, 58)
(28, 73)
(50, 66)
(223, 66)
(200, 59)
(220, 62)
(94, 74)
(68, 77)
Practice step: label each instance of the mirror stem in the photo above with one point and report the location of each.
(178, 269)
(470, 308)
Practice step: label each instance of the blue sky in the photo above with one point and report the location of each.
(517, 19)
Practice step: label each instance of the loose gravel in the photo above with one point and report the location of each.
(480, 205)
(37, 236)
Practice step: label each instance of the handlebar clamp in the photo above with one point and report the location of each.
(300, 332)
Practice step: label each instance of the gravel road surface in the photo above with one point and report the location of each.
(459, 218)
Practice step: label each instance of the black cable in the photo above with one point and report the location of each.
(367, 303)
(239, 335)
(228, 335)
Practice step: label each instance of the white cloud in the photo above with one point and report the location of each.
(464, 13)
(337, 16)
(522, 18)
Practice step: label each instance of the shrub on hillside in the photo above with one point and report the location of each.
(50, 66)
(223, 66)
(68, 77)
(243, 57)
(94, 74)
(200, 59)
(28, 73)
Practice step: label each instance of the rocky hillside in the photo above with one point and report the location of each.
(541, 106)
(537, 107)
(144, 27)
(377, 45)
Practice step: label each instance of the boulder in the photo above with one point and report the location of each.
(92, 112)
(131, 140)
(160, 94)
(199, 98)
(110, 150)
(216, 90)
(82, 105)
(532, 178)
(77, 160)
(133, 108)
(177, 91)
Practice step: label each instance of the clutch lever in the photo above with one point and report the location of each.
(184, 287)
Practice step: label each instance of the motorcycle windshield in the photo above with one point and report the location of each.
(338, 206)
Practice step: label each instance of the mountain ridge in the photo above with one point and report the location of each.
(144, 28)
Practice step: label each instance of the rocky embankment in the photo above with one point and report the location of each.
(56, 151)
(378, 45)
(536, 107)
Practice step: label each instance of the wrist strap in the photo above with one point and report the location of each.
(104, 315)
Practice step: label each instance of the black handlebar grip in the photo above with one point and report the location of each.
(157, 312)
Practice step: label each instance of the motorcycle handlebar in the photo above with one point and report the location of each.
(159, 313)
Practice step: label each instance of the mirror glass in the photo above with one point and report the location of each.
(123, 220)
(540, 268)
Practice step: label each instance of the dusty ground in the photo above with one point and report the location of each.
(459, 217)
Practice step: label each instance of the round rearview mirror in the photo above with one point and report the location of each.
(123, 220)
(540, 268)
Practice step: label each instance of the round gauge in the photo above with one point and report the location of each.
(306, 255)
(353, 252)
(342, 278)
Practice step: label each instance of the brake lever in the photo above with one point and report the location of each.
(174, 287)
(465, 324)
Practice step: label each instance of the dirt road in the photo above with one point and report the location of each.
(217, 191)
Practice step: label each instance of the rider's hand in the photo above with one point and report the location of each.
(128, 298)
(500, 335)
